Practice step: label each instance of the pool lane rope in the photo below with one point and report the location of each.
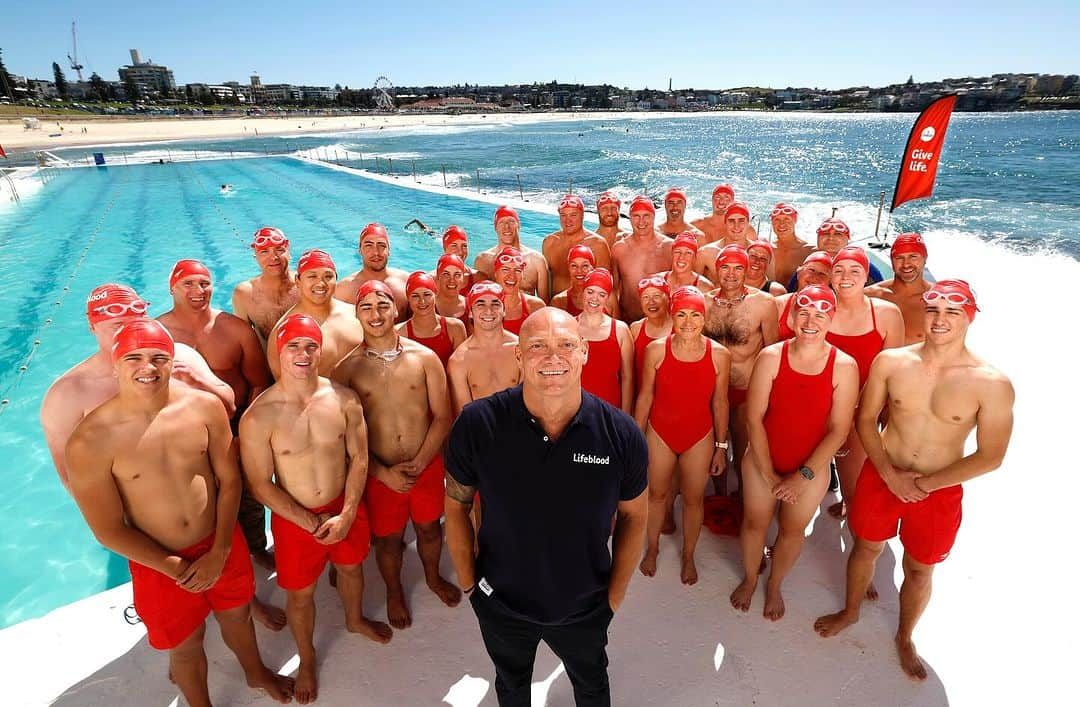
(39, 332)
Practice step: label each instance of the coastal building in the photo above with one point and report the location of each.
(152, 79)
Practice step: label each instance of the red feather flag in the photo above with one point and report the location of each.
(920, 162)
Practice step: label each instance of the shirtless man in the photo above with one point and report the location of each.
(760, 253)
(607, 211)
(375, 254)
(675, 202)
(456, 242)
(155, 477)
(558, 244)
(744, 321)
(714, 225)
(402, 386)
(936, 392)
(536, 280)
(907, 288)
(450, 279)
(791, 250)
(304, 448)
(262, 300)
(683, 254)
(440, 334)
(644, 252)
(487, 362)
(738, 230)
(316, 277)
(232, 350)
(509, 270)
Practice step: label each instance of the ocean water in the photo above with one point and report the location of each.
(1003, 216)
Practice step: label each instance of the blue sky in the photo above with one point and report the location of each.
(631, 43)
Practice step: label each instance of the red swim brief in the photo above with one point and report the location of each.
(736, 397)
(171, 613)
(301, 558)
(927, 528)
(390, 511)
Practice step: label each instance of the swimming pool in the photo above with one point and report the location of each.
(130, 224)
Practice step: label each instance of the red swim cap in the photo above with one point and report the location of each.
(143, 333)
(853, 253)
(453, 234)
(268, 237)
(954, 291)
(783, 209)
(483, 289)
(506, 212)
(657, 282)
(642, 203)
(763, 244)
(820, 298)
(599, 277)
(686, 239)
(607, 198)
(581, 251)
(736, 207)
(314, 258)
(187, 268)
(908, 243)
(725, 188)
(572, 201)
(732, 255)
(509, 256)
(419, 280)
(377, 286)
(688, 297)
(376, 231)
(298, 326)
(820, 257)
(111, 300)
(833, 225)
(675, 193)
(450, 260)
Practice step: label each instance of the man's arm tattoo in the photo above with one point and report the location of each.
(459, 492)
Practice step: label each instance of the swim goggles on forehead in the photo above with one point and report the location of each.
(784, 210)
(822, 305)
(834, 227)
(261, 242)
(120, 309)
(957, 298)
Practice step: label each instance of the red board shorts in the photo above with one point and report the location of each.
(736, 397)
(171, 613)
(927, 528)
(390, 511)
(301, 558)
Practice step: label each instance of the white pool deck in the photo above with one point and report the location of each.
(1001, 628)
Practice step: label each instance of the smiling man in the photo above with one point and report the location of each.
(535, 280)
(908, 284)
(642, 253)
(262, 300)
(674, 223)
(571, 233)
(486, 362)
(533, 579)
(375, 254)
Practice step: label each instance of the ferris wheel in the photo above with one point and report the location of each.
(382, 89)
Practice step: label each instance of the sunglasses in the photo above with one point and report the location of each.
(261, 242)
(784, 211)
(119, 309)
(821, 305)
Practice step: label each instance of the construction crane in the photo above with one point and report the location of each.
(73, 58)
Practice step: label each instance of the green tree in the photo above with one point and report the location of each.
(98, 88)
(7, 85)
(60, 81)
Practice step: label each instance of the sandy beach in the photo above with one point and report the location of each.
(101, 130)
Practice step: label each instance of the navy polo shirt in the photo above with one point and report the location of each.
(547, 504)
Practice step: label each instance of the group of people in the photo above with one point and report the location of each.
(653, 358)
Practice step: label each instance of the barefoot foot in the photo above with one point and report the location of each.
(375, 630)
(741, 597)
(264, 559)
(448, 593)
(838, 510)
(268, 615)
(774, 604)
(279, 687)
(648, 563)
(398, 612)
(306, 689)
(832, 624)
(909, 659)
(689, 571)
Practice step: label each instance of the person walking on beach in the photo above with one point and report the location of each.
(304, 449)
(791, 250)
(536, 279)
(262, 300)
(155, 476)
(532, 579)
(908, 285)
(402, 386)
(683, 411)
(374, 249)
(440, 334)
(557, 245)
(487, 361)
(798, 412)
(316, 280)
(936, 393)
(644, 252)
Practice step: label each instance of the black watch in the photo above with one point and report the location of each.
(807, 472)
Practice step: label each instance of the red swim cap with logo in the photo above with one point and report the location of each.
(315, 258)
(110, 301)
(688, 297)
(187, 268)
(908, 243)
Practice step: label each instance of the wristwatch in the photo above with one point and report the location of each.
(807, 472)
(720, 445)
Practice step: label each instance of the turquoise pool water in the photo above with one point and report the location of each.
(133, 223)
